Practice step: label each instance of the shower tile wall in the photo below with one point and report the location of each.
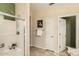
(7, 34)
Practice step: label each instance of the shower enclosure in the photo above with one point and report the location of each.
(12, 35)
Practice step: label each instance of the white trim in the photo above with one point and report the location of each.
(2, 13)
(69, 14)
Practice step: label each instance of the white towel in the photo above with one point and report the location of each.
(39, 32)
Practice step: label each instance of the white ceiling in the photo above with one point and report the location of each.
(35, 6)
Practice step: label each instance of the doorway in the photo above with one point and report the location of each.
(67, 28)
(70, 31)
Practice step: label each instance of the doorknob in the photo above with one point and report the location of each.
(52, 36)
(17, 32)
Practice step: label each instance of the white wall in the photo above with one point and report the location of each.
(45, 12)
(42, 11)
(77, 31)
(22, 10)
(8, 37)
(66, 9)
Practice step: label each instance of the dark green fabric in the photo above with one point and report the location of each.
(8, 8)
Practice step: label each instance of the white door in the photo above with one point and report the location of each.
(51, 31)
(62, 34)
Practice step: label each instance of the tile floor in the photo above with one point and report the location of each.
(34, 51)
(64, 53)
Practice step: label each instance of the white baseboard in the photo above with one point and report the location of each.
(43, 48)
(38, 46)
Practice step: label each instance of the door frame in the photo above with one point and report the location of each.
(66, 15)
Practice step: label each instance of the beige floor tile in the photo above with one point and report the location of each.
(41, 52)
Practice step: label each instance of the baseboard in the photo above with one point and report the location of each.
(38, 47)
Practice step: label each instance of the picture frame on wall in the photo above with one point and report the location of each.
(40, 23)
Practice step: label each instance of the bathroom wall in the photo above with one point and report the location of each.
(41, 11)
(8, 30)
(7, 36)
(22, 10)
(8, 8)
(65, 9)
